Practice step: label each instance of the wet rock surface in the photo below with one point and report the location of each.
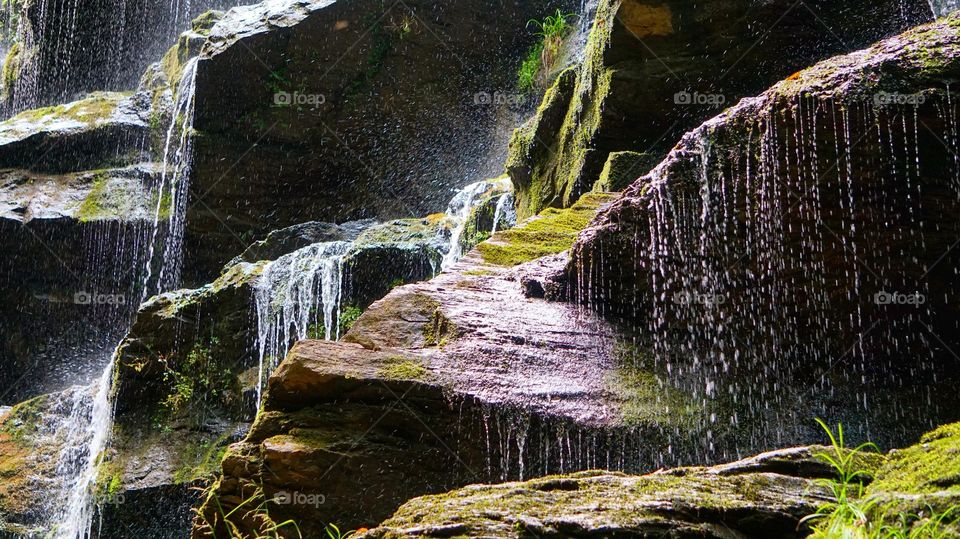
(817, 208)
(62, 49)
(337, 69)
(694, 502)
(652, 71)
(763, 496)
(471, 381)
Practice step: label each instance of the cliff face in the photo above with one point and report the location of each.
(383, 118)
(800, 237)
(654, 70)
(793, 257)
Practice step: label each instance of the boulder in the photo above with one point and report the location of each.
(797, 251)
(290, 239)
(687, 502)
(346, 110)
(454, 380)
(653, 70)
(763, 496)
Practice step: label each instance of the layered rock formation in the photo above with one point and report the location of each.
(61, 49)
(652, 71)
(803, 239)
(347, 110)
(465, 369)
(77, 182)
(764, 496)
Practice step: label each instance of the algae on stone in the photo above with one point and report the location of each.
(551, 232)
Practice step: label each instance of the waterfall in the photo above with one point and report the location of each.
(768, 264)
(174, 187)
(505, 212)
(88, 431)
(72, 47)
(942, 8)
(459, 211)
(298, 296)
(90, 420)
(294, 295)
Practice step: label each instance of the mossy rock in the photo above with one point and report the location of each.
(929, 470)
(622, 169)
(551, 232)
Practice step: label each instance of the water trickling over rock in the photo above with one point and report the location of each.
(793, 257)
(88, 425)
(942, 8)
(299, 295)
(459, 211)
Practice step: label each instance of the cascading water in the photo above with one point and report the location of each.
(86, 429)
(296, 296)
(299, 295)
(769, 269)
(71, 47)
(174, 187)
(505, 212)
(942, 8)
(459, 210)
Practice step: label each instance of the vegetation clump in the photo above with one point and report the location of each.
(402, 368)
(852, 513)
(542, 57)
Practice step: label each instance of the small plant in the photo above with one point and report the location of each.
(348, 317)
(542, 56)
(260, 513)
(852, 515)
(404, 26)
(847, 512)
(333, 532)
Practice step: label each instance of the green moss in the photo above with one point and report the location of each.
(200, 459)
(94, 206)
(206, 21)
(552, 232)
(402, 368)
(380, 46)
(11, 70)
(530, 69)
(932, 466)
(548, 156)
(643, 398)
(96, 107)
(622, 169)
(440, 330)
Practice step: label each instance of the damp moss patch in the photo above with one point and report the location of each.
(551, 232)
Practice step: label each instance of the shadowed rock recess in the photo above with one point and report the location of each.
(318, 267)
(798, 249)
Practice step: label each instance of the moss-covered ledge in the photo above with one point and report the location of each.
(763, 496)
